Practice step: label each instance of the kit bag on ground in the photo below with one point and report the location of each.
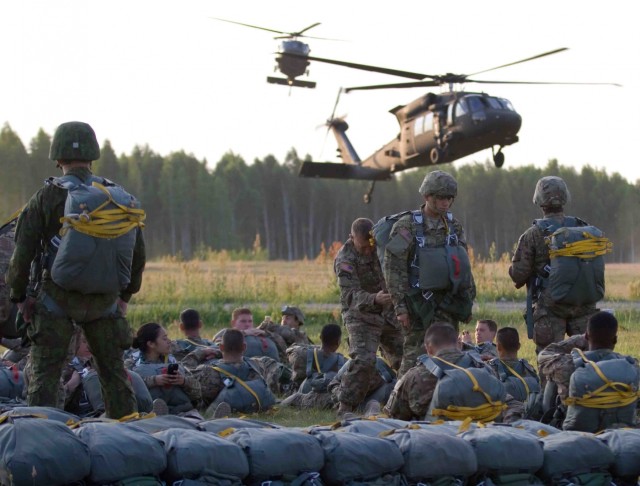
(11, 382)
(372, 428)
(534, 427)
(358, 459)
(159, 423)
(576, 457)
(50, 413)
(505, 454)
(219, 425)
(283, 454)
(94, 250)
(434, 456)
(118, 453)
(625, 445)
(576, 270)
(193, 454)
(41, 452)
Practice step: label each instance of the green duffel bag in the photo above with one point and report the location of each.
(353, 457)
(192, 454)
(50, 413)
(536, 428)
(433, 454)
(41, 452)
(578, 457)
(278, 453)
(372, 428)
(625, 445)
(225, 424)
(118, 453)
(159, 423)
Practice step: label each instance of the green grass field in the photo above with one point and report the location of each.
(215, 287)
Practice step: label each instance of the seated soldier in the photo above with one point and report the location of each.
(597, 387)
(289, 328)
(233, 383)
(81, 384)
(313, 369)
(420, 392)
(172, 387)
(519, 377)
(486, 330)
(259, 342)
(190, 326)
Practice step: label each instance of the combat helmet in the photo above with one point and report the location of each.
(439, 183)
(551, 191)
(74, 141)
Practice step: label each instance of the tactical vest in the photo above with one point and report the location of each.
(465, 389)
(521, 382)
(320, 370)
(241, 393)
(603, 391)
(174, 396)
(576, 268)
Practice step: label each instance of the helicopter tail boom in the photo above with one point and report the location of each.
(332, 170)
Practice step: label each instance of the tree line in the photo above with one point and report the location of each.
(192, 208)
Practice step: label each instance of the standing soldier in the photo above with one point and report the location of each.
(427, 268)
(366, 307)
(549, 318)
(51, 309)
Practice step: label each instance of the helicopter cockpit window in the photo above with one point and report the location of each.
(461, 108)
(507, 104)
(495, 103)
(475, 103)
(423, 124)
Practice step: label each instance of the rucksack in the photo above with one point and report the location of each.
(320, 371)
(94, 250)
(239, 392)
(522, 383)
(464, 389)
(382, 229)
(576, 268)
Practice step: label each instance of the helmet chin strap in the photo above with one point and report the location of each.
(433, 207)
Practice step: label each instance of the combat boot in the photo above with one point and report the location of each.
(372, 408)
(345, 412)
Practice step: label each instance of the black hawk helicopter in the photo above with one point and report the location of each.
(292, 56)
(434, 129)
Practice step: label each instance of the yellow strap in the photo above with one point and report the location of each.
(315, 359)
(13, 217)
(590, 247)
(515, 373)
(481, 413)
(105, 223)
(197, 344)
(247, 387)
(612, 394)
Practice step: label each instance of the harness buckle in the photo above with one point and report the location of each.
(427, 295)
(421, 240)
(452, 240)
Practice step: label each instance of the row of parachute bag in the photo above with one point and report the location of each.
(48, 447)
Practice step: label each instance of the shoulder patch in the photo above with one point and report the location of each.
(405, 233)
(346, 267)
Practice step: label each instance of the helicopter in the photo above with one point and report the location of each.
(291, 57)
(434, 128)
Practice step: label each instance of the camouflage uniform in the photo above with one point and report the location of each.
(483, 349)
(180, 348)
(290, 335)
(369, 325)
(106, 329)
(8, 309)
(298, 356)
(399, 255)
(551, 320)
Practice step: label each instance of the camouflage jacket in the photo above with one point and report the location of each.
(483, 349)
(288, 334)
(180, 348)
(360, 279)
(38, 223)
(400, 251)
(7, 246)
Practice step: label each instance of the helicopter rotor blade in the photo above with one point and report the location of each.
(418, 84)
(363, 67)
(542, 82)
(555, 51)
(252, 26)
(297, 34)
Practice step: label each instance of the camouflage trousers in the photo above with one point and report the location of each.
(392, 345)
(549, 328)
(50, 333)
(361, 373)
(414, 338)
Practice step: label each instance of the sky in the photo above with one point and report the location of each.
(164, 73)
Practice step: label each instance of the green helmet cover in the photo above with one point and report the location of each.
(551, 191)
(439, 183)
(74, 141)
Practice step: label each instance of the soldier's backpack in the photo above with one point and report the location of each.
(320, 370)
(11, 382)
(522, 383)
(94, 250)
(576, 251)
(241, 393)
(261, 346)
(602, 393)
(382, 229)
(466, 389)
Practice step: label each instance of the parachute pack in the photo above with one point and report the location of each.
(576, 251)
(94, 250)
(320, 370)
(522, 383)
(239, 392)
(382, 229)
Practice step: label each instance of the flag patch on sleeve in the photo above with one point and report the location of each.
(346, 267)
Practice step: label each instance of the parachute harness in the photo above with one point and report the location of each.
(591, 247)
(244, 385)
(517, 375)
(105, 223)
(482, 413)
(619, 394)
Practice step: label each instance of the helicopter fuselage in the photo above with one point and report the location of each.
(296, 64)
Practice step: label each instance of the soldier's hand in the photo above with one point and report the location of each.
(177, 379)
(254, 332)
(27, 307)
(404, 321)
(382, 298)
(163, 380)
(465, 337)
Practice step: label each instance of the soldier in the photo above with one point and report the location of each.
(51, 310)
(366, 312)
(531, 265)
(597, 387)
(190, 325)
(427, 268)
(289, 328)
(486, 330)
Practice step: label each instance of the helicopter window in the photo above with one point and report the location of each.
(495, 103)
(475, 103)
(450, 115)
(507, 104)
(423, 124)
(461, 108)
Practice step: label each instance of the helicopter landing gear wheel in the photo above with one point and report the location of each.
(435, 154)
(367, 197)
(498, 159)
